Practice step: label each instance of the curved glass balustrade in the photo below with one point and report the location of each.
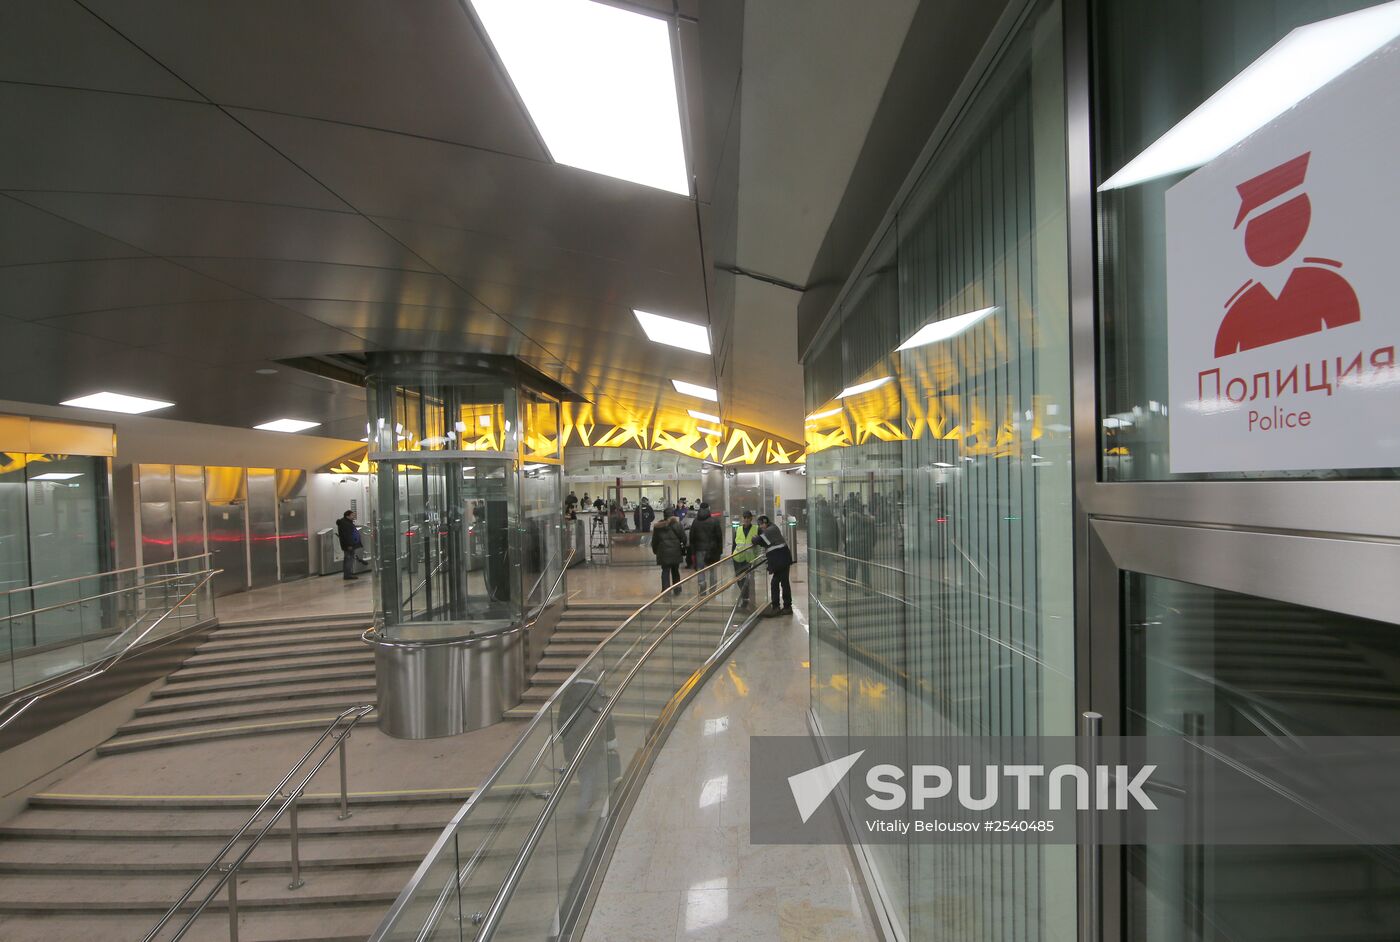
(519, 856)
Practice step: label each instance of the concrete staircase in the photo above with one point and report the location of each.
(257, 678)
(584, 626)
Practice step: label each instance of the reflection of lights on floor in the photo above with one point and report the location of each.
(716, 725)
(714, 791)
(707, 904)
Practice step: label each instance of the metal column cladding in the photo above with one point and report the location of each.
(157, 512)
(262, 527)
(189, 511)
(225, 497)
(294, 558)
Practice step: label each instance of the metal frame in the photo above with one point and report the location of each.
(1324, 544)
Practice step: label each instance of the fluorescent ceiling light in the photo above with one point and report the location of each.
(709, 431)
(57, 476)
(859, 388)
(484, 421)
(116, 402)
(364, 439)
(829, 412)
(674, 332)
(1296, 66)
(287, 425)
(941, 464)
(704, 416)
(598, 82)
(946, 329)
(691, 389)
(535, 467)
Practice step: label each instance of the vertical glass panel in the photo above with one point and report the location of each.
(1209, 662)
(1155, 64)
(541, 498)
(939, 484)
(541, 427)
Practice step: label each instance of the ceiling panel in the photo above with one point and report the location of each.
(365, 315)
(47, 290)
(230, 345)
(99, 142)
(213, 322)
(474, 258)
(418, 68)
(29, 235)
(165, 225)
(57, 42)
(278, 278)
(527, 202)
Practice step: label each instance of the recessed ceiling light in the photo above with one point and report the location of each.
(863, 387)
(691, 389)
(265, 371)
(822, 415)
(946, 329)
(57, 476)
(287, 425)
(674, 332)
(1292, 69)
(705, 416)
(709, 431)
(116, 402)
(598, 82)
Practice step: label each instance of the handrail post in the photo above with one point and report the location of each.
(233, 904)
(344, 780)
(1090, 853)
(297, 881)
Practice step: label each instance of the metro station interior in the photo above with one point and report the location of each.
(454, 452)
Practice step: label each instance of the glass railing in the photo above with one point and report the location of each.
(518, 857)
(54, 628)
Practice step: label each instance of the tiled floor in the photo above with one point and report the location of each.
(684, 868)
(315, 595)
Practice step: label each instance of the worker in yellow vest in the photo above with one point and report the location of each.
(745, 554)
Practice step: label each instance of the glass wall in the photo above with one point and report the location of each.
(1155, 63)
(939, 489)
(1203, 661)
(467, 529)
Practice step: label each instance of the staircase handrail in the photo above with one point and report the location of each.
(18, 708)
(349, 717)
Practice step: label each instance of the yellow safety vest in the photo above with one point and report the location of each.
(743, 543)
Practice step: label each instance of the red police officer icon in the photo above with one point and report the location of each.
(1314, 296)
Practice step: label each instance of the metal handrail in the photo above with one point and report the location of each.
(101, 595)
(491, 919)
(349, 716)
(106, 664)
(410, 890)
(97, 575)
(375, 636)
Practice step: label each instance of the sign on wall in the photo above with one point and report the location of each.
(1283, 289)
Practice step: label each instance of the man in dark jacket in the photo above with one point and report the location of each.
(770, 538)
(668, 543)
(350, 543)
(707, 543)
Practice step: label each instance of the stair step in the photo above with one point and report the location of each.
(280, 639)
(237, 624)
(278, 655)
(119, 744)
(197, 713)
(186, 674)
(361, 691)
(192, 687)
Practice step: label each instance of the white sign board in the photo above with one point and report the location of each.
(1283, 288)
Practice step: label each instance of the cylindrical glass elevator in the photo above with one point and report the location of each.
(466, 514)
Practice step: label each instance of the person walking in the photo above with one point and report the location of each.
(744, 557)
(770, 538)
(647, 515)
(707, 543)
(350, 542)
(668, 545)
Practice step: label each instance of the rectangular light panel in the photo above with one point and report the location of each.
(708, 431)
(598, 82)
(703, 416)
(946, 329)
(674, 332)
(287, 425)
(116, 402)
(1296, 66)
(57, 476)
(859, 388)
(822, 415)
(691, 389)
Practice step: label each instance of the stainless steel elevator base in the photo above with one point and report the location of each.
(449, 684)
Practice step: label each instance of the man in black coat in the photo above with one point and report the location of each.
(668, 544)
(707, 543)
(350, 543)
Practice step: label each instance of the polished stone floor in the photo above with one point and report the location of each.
(684, 867)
